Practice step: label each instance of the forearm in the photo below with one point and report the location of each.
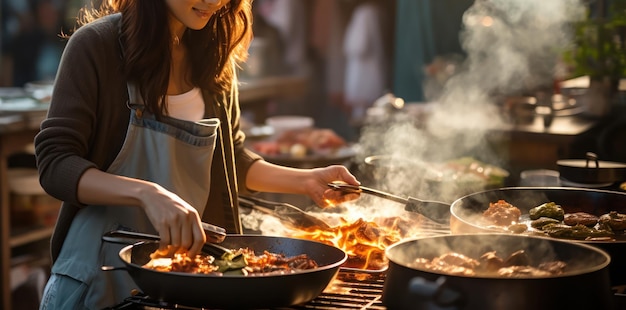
(267, 177)
(100, 188)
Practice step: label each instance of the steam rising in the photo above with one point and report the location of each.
(512, 47)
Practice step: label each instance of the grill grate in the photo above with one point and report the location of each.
(350, 290)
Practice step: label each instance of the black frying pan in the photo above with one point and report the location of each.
(583, 285)
(236, 291)
(466, 213)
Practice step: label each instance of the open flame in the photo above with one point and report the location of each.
(363, 241)
(362, 232)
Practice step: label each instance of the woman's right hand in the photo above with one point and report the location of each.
(177, 222)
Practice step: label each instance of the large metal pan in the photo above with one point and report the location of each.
(236, 291)
(583, 285)
(466, 213)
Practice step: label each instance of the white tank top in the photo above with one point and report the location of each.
(187, 106)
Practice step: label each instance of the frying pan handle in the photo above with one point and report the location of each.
(437, 291)
(112, 268)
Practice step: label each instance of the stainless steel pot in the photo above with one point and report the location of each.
(584, 284)
(591, 170)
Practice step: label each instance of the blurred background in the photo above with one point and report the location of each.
(428, 98)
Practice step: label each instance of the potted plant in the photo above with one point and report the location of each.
(599, 52)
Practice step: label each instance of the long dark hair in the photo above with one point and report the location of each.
(214, 51)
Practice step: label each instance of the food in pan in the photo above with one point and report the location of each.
(515, 265)
(543, 221)
(548, 209)
(502, 213)
(242, 261)
(578, 232)
(582, 218)
(550, 219)
(615, 220)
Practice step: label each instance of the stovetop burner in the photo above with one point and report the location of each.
(349, 290)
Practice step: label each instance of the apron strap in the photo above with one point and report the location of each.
(135, 100)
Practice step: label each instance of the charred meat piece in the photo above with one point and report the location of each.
(582, 218)
(502, 213)
(548, 209)
(271, 262)
(518, 258)
(491, 262)
(616, 221)
(554, 267)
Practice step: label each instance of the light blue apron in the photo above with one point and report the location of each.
(174, 153)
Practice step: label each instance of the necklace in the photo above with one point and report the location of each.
(176, 40)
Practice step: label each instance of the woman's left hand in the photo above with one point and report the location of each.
(317, 189)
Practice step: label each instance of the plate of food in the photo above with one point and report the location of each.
(310, 147)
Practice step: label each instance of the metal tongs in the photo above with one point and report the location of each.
(437, 211)
(214, 234)
(286, 212)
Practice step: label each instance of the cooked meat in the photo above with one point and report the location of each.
(491, 262)
(554, 267)
(616, 221)
(582, 218)
(271, 262)
(518, 258)
(457, 260)
(502, 213)
(252, 264)
(181, 262)
(522, 271)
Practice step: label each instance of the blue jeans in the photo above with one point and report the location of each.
(63, 292)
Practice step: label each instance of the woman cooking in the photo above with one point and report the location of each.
(143, 134)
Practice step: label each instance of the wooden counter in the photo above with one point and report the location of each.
(16, 133)
(534, 146)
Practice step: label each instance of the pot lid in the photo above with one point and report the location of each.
(591, 161)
